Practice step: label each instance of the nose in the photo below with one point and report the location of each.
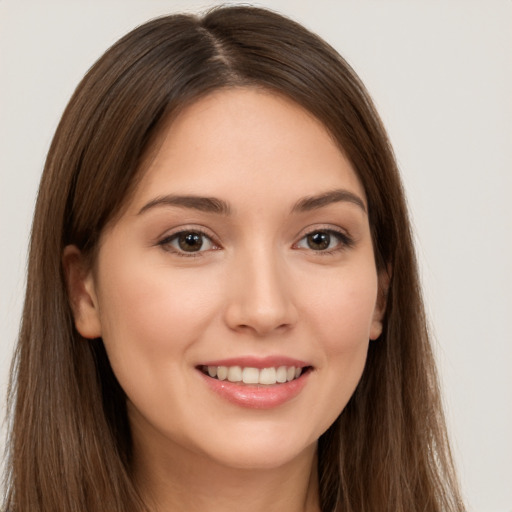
(260, 297)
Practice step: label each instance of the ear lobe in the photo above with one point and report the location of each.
(381, 303)
(81, 293)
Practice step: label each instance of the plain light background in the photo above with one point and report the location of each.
(440, 73)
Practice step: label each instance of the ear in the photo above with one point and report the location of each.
(384, 278)
(81, 293)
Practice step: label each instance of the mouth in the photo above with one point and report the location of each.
(256, 382)
(248, 375)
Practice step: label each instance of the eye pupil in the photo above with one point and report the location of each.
(190, 242)
(319, 241)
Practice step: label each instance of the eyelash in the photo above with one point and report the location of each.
(344, 242)
(165, 243)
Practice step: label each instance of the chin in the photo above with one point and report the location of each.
(258, 453)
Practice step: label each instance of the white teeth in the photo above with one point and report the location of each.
(281, 374)
(222, 372)
(250, 375)
(235, 374)
(268, 376)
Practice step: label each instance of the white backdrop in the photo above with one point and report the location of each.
(441, 76)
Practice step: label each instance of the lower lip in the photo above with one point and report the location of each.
(257, 397)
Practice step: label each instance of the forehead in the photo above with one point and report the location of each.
(246, 140)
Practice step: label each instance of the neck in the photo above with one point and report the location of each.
(177, 479)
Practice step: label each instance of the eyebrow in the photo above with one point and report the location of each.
(333, 196)
(203, 204)
(218, 206)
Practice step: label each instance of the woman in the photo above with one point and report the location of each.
(223, 307)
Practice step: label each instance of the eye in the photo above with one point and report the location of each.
(324, 240)
(186, 243)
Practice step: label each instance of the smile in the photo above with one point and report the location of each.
(256, 383)
(250, 375)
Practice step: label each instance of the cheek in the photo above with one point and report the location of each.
(149, 312)
(341, 320)
(345, 323)
(342, 308)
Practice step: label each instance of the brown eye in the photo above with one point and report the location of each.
(187, 243)
(190, 242)
(319, 241)
(325, 240)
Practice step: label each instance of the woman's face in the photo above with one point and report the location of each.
(245, 253)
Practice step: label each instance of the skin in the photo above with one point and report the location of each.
(256, 288)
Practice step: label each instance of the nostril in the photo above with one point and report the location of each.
(260, 304)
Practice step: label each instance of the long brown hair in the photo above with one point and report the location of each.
(70, 444)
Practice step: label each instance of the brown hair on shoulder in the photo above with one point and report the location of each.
(69, 444)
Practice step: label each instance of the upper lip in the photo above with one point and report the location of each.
(258, 362)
